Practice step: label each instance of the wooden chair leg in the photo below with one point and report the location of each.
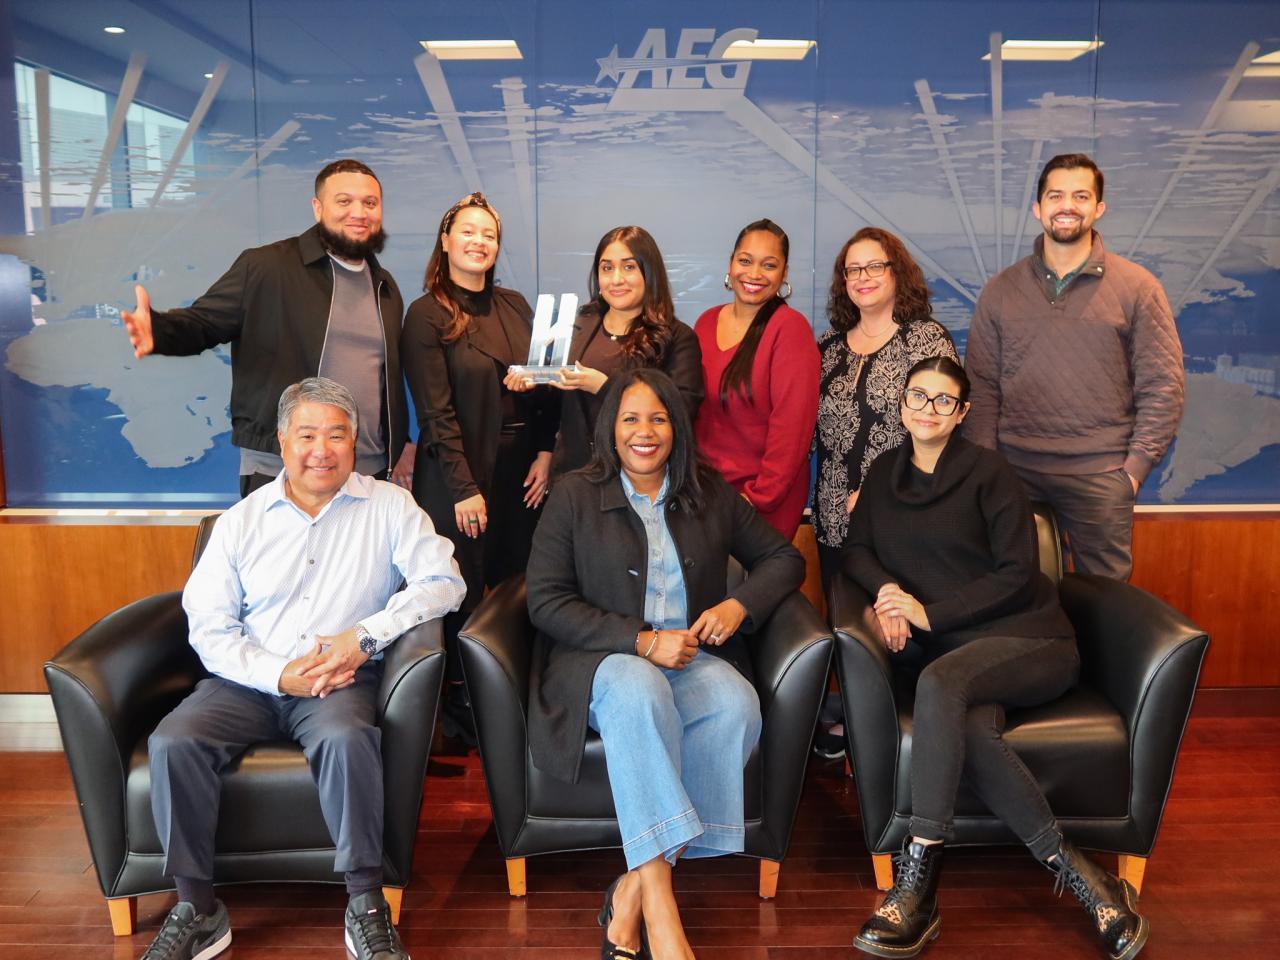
(769, 879)
(883, 864)
(124, 915)
(515, 877)
(395, 897)
(1132, 868)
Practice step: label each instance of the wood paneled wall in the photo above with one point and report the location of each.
(58, 578)
(1221, 570)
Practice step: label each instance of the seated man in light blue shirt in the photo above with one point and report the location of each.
(289, 608)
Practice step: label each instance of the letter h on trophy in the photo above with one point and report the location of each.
(549, 345)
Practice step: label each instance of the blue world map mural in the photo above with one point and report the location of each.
(154, 155)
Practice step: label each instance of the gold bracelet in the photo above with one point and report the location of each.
(652, 645)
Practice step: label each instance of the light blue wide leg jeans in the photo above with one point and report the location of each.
(676, 743)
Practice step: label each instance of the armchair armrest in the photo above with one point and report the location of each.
(412, 676)
(500, 628)
(402, 669)
(121, 675)
(1145, 657)
(1128, 640)
(791, 654)
(850, 609)
(779, 649)
(110, 686)
(871, 713)
(495, 647)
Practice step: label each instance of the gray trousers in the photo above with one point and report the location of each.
(219, 719)
(1095, 514)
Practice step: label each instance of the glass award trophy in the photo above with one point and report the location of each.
(549, 345)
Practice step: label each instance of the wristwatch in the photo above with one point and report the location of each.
(368, 645)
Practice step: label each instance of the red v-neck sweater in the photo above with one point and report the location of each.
(762, 445)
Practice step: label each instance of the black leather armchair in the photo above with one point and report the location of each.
(1103, 753)
(112, 684)
(534, 813)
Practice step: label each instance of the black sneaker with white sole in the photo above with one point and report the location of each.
(369, 932)
(187, 935)
(828, 745)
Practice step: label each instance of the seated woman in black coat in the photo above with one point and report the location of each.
(944, 539)
(637, 638)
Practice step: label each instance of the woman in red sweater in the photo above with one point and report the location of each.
(760, 369)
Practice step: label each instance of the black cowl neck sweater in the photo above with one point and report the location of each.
(961, 540)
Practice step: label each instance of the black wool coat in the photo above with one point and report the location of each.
(586, 584)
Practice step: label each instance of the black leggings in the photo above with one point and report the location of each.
(958, 728)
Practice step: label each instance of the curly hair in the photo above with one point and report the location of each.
(436, 281)
(651, 332)
(911, 298)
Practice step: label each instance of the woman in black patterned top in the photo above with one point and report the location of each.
(881, 326)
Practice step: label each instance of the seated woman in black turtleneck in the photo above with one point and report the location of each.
(944, 539)
(484, 451)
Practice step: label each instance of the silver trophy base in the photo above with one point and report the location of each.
(536, 373)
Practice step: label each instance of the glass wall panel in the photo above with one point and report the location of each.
(155, 155)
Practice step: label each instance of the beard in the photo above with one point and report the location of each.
(344, 247)
(1069, 234)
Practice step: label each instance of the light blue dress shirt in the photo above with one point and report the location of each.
(272, 578)
(665, 604)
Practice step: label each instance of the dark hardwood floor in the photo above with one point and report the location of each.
(1210, 891)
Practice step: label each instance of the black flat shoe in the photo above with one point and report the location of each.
(610, 950)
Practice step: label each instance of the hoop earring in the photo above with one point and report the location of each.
(787, 295)
(726, 282)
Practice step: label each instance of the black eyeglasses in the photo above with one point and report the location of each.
(944, 404)
(874, 269)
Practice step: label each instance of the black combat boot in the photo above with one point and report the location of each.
(1112, 903)
(908, 917)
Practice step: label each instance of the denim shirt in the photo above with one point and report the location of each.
(665, 604)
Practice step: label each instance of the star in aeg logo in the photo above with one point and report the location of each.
(711, 68)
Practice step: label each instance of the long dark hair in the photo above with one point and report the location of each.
(737, 375)
(684, 471)
(910, 299)
(436, 281)
(945, 366)
(651, 332)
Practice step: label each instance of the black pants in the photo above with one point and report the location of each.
(958, 728)
(215, 724)
(503, 549)
(829, 560)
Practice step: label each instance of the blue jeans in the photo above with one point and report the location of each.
(676, 743)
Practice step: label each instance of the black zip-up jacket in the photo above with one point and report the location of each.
(272, 306)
